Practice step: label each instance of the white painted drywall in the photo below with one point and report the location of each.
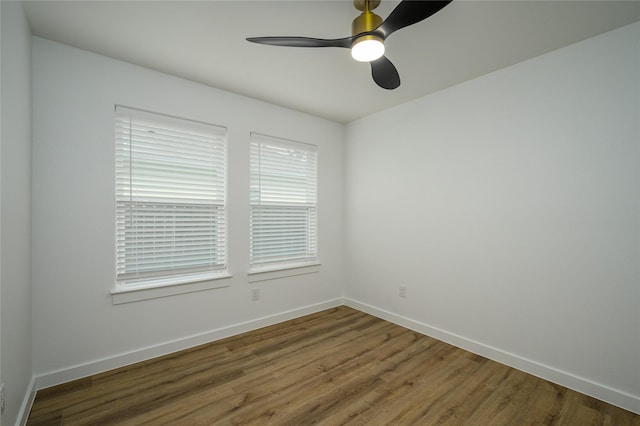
(509, 208)
(15, 193)
(75, 321)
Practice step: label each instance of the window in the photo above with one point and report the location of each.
(283, 223)
(170, 200)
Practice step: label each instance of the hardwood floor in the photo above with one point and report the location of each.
(335, 367)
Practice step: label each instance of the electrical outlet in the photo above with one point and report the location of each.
(2, 398)
(402, 291)
(255, 294)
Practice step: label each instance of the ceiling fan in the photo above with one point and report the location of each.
(368, 33)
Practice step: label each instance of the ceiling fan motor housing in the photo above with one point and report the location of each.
(367, 21)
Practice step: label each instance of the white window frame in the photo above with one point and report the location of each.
(181, 206)
(293, 247)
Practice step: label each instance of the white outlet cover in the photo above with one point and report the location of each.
(2, 398)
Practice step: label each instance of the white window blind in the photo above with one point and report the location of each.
(170, 197)
(283, 223)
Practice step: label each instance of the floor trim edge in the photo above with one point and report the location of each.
(602, 392)
(53, 378)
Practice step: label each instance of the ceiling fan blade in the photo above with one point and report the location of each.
(302, 41)
(409, 12)
(385, 74)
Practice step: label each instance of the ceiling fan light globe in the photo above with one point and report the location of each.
(367, 49)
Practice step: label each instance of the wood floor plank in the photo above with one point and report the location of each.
(336, 367)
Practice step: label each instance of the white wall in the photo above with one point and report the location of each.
(509, 207)
(15, 214)
(75, 322)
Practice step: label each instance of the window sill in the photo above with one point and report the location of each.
(123, 294)
(282, 272)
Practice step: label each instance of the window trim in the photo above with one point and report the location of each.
(283, 271)
(121, 294)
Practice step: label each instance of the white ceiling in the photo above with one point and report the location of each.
(204, 41)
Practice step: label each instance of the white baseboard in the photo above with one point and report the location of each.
(98, 366)
(612, 396)
(27, 403)
(596, 390)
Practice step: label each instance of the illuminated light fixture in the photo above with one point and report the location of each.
(367, 47)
